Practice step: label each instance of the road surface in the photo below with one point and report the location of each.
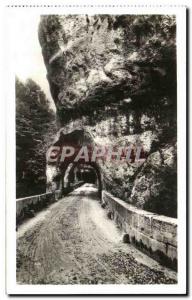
(73, 242)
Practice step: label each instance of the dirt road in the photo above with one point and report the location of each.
(73, 242)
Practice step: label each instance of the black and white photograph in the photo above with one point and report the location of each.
(97, 136)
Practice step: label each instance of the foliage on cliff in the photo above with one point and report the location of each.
(35, 125)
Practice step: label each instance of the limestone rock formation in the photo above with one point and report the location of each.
(115, 78)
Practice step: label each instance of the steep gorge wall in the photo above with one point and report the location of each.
(115, 77)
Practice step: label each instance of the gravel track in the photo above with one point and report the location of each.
(73, 242)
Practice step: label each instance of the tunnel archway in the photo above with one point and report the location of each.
(90, 174)
(77, 139)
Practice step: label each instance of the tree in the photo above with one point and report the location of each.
(35, 127)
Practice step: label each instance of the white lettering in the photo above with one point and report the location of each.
(67, 152)
(83, 154)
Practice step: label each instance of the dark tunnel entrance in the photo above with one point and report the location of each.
(85, 173)
(73, 169)
(82, 173)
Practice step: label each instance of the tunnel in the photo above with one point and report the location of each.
(83, 173)
(68, 172)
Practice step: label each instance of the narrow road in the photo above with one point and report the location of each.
(73, 242)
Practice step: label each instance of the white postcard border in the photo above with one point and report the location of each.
(12, 15)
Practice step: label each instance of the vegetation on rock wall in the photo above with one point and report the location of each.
(35, 126)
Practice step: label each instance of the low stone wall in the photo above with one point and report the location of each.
(153, 234)
(26, 207)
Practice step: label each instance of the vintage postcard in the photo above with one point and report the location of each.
(96, 149)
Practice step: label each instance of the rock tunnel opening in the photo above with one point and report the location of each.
(67, 171)
(82, 173)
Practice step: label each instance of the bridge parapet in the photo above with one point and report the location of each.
(153, 234)
(26, 207)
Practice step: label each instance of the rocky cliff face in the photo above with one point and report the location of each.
(115, 77)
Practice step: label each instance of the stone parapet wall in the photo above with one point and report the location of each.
(25, 207)
(154, 234)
